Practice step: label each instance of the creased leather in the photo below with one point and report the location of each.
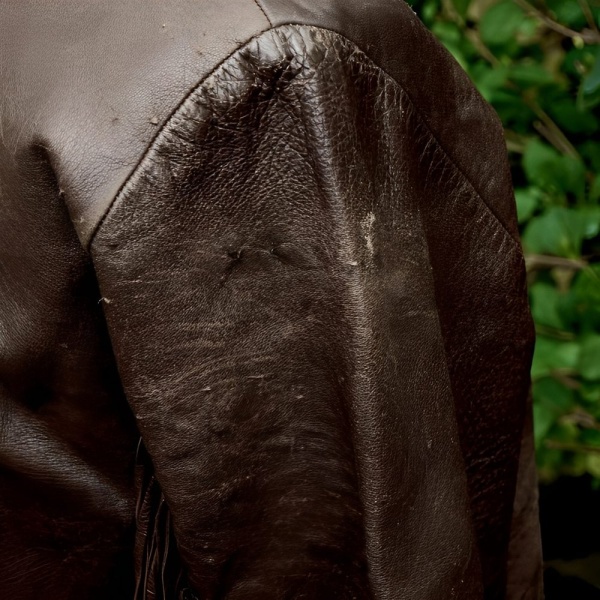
(390, 34)
(66, 432)
(159, 571)
(305, 282)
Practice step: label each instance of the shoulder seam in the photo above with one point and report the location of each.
(263, 11)
(160, 130)
(193, 90)
(433, 135)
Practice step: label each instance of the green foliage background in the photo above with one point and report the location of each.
(539, 66)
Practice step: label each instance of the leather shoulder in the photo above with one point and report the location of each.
(92, 83)
(391, 34)
(273, 314)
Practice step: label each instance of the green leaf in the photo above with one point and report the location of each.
(427, 10)
(588, 101)
(554, 172)
(572, 118)
(591, 151)
(543, 419)
(447, 32)
(554, 394)
(527, 200)
(589, 359)
(551, 400)
(583, 301)
(553, 354)
(528, 31)
(530, 75)
(545, 301)
(490, 81)
(539, 161)
(593, 464)
(571, 176)
(500, 23)
(567, 12)
(591, 436)
(514, 114)
(591, 83)
(588, 95)
(590, 392)
(591, 214)
(578, 60)
(559, 231)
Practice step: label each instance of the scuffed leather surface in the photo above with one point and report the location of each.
(338, 331)
(390, 33)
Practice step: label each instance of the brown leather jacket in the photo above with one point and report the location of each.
(277, 240)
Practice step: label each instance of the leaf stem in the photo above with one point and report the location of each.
(589, 36)
(551, 131)
(536, 262)
(589, 15)
(555, 445)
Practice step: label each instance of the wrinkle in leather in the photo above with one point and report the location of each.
(392, 36)
(66, 496)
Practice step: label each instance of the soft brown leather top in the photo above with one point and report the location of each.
(93, 81)
(277, 240)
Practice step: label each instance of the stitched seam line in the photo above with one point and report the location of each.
(453, 163)
(435, 138)
(193, 90)
(425, 123)
(160, 130)
(264, 12)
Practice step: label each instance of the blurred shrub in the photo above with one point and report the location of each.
(539, 66)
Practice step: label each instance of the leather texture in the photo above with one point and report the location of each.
(264, 329)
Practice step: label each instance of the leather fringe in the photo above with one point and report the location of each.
(160, 573)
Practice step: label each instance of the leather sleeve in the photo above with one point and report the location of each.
(524, 581)
(323, 332)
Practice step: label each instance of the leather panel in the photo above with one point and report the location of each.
(315, 296)
(481, 295)
(67, 438)
(392, 35)
(93, 81)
